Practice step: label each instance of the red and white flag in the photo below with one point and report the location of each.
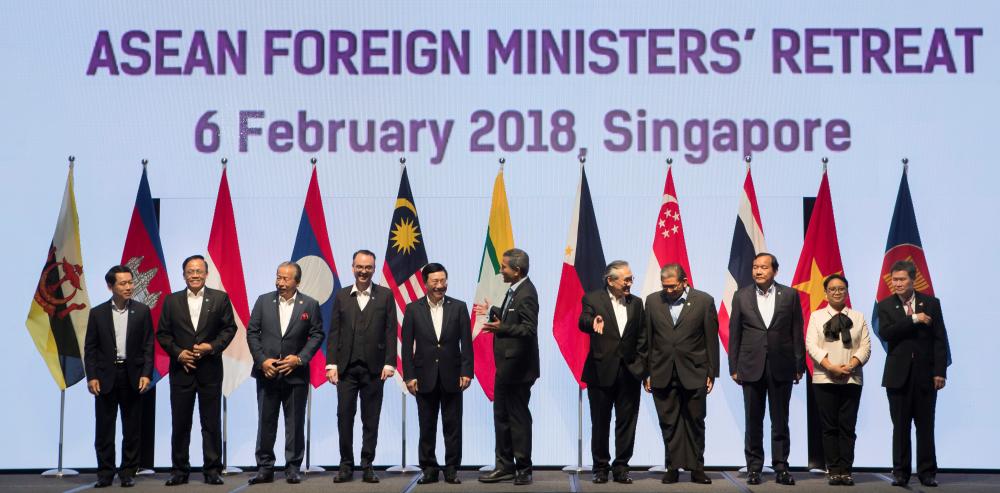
(748, 241)
(225, 273)
(668, 240)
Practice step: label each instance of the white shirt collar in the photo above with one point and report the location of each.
(289, 301)
(367, 291)
(435, 305)
(201, 293)
(769, 292)
(513, 287)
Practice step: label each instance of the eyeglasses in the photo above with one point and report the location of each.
(194, 272)
(365, 268)
(836, 290)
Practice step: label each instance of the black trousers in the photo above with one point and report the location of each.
(913, 403)
(776, 395)
(681, 413)
(122, 396)
(623, 398)
(449, 404)
(273, 395)
(838, 412)
(512, 423)
(182, 399)
(356, 381)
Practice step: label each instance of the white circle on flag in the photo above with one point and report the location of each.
(317, 278)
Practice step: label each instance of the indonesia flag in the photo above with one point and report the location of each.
(225, 273)
(748, 241)
(143, 254)
(319, 273)
(668, 240)
(582, 271)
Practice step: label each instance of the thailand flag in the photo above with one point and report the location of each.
(319, 273)
(748, 241)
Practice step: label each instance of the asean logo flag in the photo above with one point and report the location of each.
(319, 273)
(819, 259)
(143, 254)
(582, 271)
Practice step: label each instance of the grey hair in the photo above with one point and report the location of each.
(610, 270)
(673, 270)
(517, 259)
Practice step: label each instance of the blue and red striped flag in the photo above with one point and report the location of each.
(319, 272)
(143, 253)
(748, 241)
(582, 271)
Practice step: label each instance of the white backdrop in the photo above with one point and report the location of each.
(944, 122)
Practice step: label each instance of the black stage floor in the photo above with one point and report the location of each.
(545, 482)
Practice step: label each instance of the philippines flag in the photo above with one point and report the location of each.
(405, 256)
(582, 271)
(748, 241)
(319, 273)
(143, 253)
(668, 240)
(225, 273)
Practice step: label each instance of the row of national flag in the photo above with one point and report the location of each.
(59, 310)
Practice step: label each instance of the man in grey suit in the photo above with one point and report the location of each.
(284, 332)
(766, 355)
(682, 357)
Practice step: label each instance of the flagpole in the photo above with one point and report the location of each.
(226, 468)
(906, 165)
(748, 158)
(670, 165)
(309, 406)
(579, 467)
(59, 472)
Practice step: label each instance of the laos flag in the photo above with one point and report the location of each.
(319, 273)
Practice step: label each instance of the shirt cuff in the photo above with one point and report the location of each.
(914, 318)
(331, 367)
(390, 368)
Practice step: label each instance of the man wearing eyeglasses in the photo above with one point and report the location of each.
(612, 371)
(360, 356)
(195, 328)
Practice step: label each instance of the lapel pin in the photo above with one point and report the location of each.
(897, 307)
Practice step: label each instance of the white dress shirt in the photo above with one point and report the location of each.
(285, 308)
(120, 320)
(765, 303)
(621, 311)
(363, 296)
(819, 348)
(194, 306)
(437, 315)
(678, 305)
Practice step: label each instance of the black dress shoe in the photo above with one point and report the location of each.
(127, 481)
(835, 480)
(214, 479)
(753, 477)
(623, 477)
(429, 476)
(103, 482)
(670, 476)
(601, 476)
(261, 477)
(900, 480)
(783, 477)
(368, 475)
(929, 481)
(345, 474)
(496, 475)
(452, 478)
(847, 480)
(177, 479)
(699, 477)
(523, 477)
(292, 476)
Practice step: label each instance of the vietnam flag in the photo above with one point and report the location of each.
(499, 239)
(820, 257)
(668, 240)
(319, 273)
(582, 271)
(143, 253)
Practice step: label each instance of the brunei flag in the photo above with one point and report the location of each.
(499, 239)
(143, 253)
(319, 274)
(405, 255)
(820, 257)
(582, 271)
(57, 318)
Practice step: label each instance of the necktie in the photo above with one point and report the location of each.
(909, 308)
(506, 303)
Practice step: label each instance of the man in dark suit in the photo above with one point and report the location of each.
(916, 366)
(285, 330)
(360, 355)
(514, 325)
(682, 357)
(196, 325)
(613, 369)
(438, 367)
(118, 358)
(766, 356)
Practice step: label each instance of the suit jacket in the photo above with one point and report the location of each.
(923, 346)
(617, 345)
(99, 353)
(689, 346)
(781, 344)
(302, 337)
(425, 358)
(176, 332)
(378, 320)
(515, 343)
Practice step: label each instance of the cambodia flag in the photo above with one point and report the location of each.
(319, 273)
(903, 244)
(582, 271)
(748, 241)
(820, 257)
(143, 254)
